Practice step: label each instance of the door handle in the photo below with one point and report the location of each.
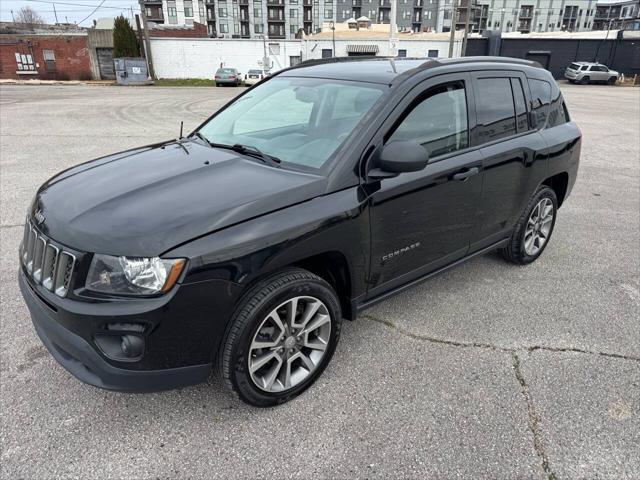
(462, 176)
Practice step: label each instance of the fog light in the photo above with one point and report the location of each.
(132, 346)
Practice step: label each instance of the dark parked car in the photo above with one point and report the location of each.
(328, 187)
(228, 76)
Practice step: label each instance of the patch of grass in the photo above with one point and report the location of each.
(184, 82)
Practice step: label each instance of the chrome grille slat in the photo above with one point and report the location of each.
(46, 263)
(38, 258)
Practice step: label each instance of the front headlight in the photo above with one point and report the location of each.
(133, 275)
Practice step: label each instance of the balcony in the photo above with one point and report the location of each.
(243, 2)
(356, 3)
(526, 13)
(385, 4)
(153, 2)
(156, 17)
(307, 3)
(275, 2)
(418, 3)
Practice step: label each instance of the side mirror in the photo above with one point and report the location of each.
(399, 157)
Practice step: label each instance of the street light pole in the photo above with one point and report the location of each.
(332, 26)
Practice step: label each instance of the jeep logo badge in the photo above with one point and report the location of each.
(39, 216)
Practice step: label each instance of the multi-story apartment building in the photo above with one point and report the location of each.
(284, 18)
(617, 14)
(279, 19)
(524, 16)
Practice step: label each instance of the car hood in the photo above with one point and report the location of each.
(144, 202)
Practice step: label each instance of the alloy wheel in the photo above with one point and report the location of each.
(289, 344)
(538, 226)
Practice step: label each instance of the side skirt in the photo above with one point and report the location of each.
(358, 307)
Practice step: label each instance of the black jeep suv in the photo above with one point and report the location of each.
(314, 194)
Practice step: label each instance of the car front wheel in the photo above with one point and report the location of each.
(612, 80)
(533, 230)
(280, 338)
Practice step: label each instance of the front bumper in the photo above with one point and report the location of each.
(81, 359)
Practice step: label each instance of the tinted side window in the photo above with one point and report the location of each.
(438, 121)
(496, 117)
(557, 110)
(521, 107)
(540, 99)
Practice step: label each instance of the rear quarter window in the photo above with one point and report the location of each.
(558, 113)
(540, 100)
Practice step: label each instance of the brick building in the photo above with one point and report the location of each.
(46, 52)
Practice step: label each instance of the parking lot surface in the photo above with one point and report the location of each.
(488, 370)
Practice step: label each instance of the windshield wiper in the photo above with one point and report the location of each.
(203, 138)
(244, 149)
(253, 151)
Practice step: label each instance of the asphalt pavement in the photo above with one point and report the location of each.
(486, 371)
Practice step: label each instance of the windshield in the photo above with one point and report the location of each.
(300, 121)
(226, 70)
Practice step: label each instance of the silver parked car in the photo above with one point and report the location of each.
(587, 72)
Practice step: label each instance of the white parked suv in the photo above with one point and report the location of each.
(253, 76)
(588, 72)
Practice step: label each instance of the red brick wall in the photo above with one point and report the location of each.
(71, 56)
(198, 31)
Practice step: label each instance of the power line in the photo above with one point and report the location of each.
(76, 4)
(94, 11)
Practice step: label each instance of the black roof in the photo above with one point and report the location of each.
(385, 69)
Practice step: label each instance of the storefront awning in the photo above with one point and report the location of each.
(362, 49)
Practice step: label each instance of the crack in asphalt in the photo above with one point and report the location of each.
(12, 225)
(534, 419)
(497, 348)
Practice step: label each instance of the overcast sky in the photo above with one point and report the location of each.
(73, 10)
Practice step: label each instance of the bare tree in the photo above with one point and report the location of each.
(28, 16)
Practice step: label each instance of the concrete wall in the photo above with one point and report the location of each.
(312, 49)
(201, 57)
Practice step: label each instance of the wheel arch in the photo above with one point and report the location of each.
(559, 183)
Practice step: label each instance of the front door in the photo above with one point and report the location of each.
(423, 220)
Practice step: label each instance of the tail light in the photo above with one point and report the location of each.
(232, 77)
(217, 76)
(261, 76)
(245, 76)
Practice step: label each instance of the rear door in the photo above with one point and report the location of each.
(514, 154)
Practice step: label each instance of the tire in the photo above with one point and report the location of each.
(521, 248)
(584, 80)
(252, 324)
(612, 80)
(217, 84)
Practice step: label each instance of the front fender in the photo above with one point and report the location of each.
(337, 222)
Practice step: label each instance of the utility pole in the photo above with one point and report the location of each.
(147, 43)
(140, 37)
(12, 17)
(466, 29)
(453, 27)
(55, 13)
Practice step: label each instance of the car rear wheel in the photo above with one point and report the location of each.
(533, 230)
(584, 80)
(280, 338)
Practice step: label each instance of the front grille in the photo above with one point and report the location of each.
(46, 263)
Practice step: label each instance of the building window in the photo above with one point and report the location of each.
(402, 53)
(188, 9)
(257, 12)
(172, 11)
(25, 63)
(293, 28)
(433, 54)
(224, 28)
(327, 53)
(328, 13)
(258, 28)
(293, 13)
(201, 9)
(222, 12)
